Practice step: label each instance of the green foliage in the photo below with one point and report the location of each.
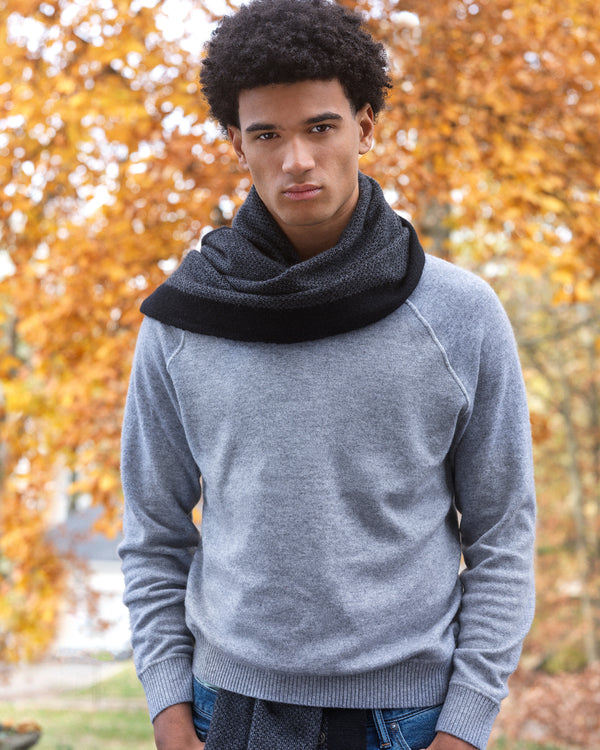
(570, 658)
(505, 744)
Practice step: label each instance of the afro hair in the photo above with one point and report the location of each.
(286, 41)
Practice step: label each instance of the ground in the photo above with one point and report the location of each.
(108, 712)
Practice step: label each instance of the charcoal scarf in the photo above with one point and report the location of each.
(248, 283)
(241, 723)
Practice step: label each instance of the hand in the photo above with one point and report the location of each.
(174, 729)
(444, 741)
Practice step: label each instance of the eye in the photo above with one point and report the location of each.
(322, 127)
(266, 136)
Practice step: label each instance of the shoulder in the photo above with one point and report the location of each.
(450, 296)
(445, 279)
(157, 342)
(466, 318)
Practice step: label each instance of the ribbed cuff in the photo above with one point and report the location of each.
(167, 683)
(468, 715)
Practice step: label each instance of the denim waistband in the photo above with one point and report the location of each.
(346, 728)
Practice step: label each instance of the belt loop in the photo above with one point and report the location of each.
(384, 737)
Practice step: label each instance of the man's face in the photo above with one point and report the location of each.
(301, 143)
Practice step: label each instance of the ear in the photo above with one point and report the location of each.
(235, 136)
(365, 119)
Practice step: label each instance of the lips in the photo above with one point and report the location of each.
(301, 192)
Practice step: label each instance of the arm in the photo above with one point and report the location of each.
(494, 493)
(161, 484)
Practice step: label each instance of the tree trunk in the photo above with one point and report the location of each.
(578, 501)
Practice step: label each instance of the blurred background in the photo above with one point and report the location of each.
(110, 170)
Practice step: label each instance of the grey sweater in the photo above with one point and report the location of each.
(341, 481)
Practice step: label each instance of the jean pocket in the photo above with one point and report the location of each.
(202, 707)
(415, 729)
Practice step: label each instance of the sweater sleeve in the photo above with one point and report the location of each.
(161, 484)
(494, 494)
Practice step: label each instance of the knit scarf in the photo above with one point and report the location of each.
(248, 283)
(241, 723)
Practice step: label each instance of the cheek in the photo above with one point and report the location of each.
(259, 173)
(262, 162)
(344, 158)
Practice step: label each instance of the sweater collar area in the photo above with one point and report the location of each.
(248, 283)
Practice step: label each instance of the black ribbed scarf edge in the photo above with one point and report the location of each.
(243, 323)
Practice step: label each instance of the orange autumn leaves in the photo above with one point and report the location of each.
(109, 172)
(100, 188)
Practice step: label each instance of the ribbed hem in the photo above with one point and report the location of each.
(411, 684)
(167, 683)
(468, 715)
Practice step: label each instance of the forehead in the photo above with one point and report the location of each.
(289, 103)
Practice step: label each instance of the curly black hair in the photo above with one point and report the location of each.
(285, 41)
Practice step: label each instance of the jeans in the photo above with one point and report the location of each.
(393, 728)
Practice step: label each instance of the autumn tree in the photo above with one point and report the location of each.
(559, 350)
(492, 126)
(109, 171)
(108, 175)
(490, 150)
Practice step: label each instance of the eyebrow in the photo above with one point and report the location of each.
(256, 126)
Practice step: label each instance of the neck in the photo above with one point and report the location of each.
(307, 245)
(314, 238)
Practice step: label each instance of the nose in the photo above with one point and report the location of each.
(298, 157)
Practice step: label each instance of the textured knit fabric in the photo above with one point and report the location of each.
(241, 723)
(341, 480)
(247, 283)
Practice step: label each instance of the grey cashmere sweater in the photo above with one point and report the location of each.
(342, 479)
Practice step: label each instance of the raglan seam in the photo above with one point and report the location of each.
(168, 362)
(176, 351)
(431, 332)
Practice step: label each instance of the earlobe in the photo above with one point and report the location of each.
(365, 145)
(235, 136)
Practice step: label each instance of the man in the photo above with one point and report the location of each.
(357, 414)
